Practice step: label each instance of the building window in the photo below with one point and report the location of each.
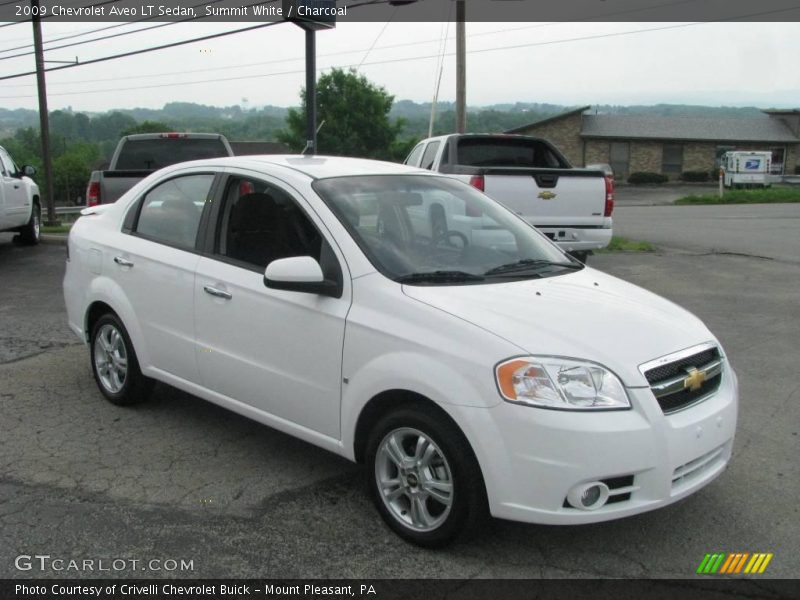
(672, 159)
(778, 158)
(619, 155)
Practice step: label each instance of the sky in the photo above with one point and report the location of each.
(732, 64)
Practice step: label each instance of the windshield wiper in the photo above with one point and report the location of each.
(530, 264)
(438, 277)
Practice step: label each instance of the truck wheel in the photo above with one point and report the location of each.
(31, 233)
(114, 364)
(424, 478)
(582, 256)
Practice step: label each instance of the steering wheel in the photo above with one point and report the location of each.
(447, 237)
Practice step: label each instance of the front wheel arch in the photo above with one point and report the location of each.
(460, 506)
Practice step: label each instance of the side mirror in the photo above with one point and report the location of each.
(300, 274)
(28, 171)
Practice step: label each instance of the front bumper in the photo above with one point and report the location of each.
(532, 457)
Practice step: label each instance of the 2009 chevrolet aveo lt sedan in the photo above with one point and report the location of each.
(403, 319)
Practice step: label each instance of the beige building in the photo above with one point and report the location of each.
(669, 145)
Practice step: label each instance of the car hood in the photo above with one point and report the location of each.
(586, 315)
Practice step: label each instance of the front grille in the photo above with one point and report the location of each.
(678, 367)
(674, 385)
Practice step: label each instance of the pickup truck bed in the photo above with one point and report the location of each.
(532, 178)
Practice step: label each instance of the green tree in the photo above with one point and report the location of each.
(71, 171)
(355, 114)
(147, 127)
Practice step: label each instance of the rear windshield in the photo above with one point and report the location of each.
(162, 152)
(507, 152)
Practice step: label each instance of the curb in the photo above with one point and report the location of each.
(53, 238)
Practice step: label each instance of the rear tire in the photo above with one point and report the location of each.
(582, 256)
(30, 234)
(114, 363)
(424, 478)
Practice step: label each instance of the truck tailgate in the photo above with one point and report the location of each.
(550, 197)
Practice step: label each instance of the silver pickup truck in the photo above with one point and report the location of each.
(531, 177)
(20, 202)
(139, 155)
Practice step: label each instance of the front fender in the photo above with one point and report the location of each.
(410, 372)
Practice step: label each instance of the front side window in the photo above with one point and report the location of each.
(7, 166)
(171, 211)
(430, 155)
(427, 230)
(260, 223)
(413, 158)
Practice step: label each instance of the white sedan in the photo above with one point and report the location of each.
(473, 372)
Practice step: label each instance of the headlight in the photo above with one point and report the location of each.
(563, 383)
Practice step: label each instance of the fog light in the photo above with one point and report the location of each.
(588, 496)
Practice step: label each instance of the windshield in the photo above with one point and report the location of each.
(425, 230)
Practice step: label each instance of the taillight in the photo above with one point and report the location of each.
(93, 193)
(172, 136)
(478, 181)
(609, 196)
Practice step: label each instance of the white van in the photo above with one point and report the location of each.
(746, 168)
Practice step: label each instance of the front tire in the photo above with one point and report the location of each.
(424, 478)
(31, 233)
(114, 363)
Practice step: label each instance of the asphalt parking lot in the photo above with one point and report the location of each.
(181, 479)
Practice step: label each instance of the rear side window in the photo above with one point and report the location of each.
(507, 152)
(162, 152)
(171, 211)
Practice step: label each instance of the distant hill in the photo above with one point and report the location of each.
(262, 123)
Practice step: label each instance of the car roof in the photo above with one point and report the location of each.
(316, 167)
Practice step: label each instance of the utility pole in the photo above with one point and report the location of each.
(311, 92)
(461, 67)
(44, 121)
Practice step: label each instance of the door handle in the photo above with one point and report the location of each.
(216, 292)
(122, 262)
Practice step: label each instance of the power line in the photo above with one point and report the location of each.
(379, 62)
(145, 50)
(283, 60)
(116, 35)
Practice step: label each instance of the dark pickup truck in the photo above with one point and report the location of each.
(139, 155)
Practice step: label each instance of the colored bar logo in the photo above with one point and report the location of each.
(734, 563)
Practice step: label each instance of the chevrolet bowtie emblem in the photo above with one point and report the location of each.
(694, 379)
(547, 195)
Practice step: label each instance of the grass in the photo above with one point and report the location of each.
(760, 196)
(63, 228)
(621, 244)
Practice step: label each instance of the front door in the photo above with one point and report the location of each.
(14, 201)
(278, 351)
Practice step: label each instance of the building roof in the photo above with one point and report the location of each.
(755, 129)
(557, 117)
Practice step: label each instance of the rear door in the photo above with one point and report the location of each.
(155, 266)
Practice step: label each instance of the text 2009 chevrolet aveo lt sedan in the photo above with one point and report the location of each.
(403, 319)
